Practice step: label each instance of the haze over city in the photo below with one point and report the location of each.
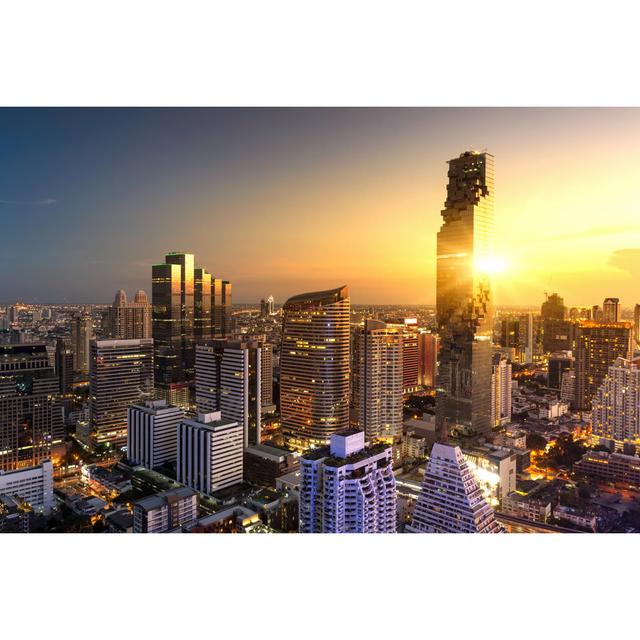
(90, 199)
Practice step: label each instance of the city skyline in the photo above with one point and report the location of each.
(196, 180)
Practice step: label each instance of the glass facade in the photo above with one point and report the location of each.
(314, 367)
(463, 298)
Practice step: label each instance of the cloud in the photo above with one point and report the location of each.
(45, 202)
(626, 260)
(595, 232)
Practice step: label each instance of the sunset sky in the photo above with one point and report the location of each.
(282, 201)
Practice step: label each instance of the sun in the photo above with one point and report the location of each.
(491, 265)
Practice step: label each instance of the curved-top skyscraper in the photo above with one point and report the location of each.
(463, 297)
(314, 367)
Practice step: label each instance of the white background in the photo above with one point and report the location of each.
(328, 53)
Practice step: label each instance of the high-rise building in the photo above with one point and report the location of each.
(560, 363)
(553, 307)
(501, 383)
(348, 487)
(166, 511)
(266, 377)
(221, 307)
(210, 452)
(121, 374)
(81, 336)
(510, 332)
(528, 344)
(152, 433)
(228, 379)
(314, 367)
(129, 320)
(597, 314)
(464, 308)
(189, 306)
(64, 366)
(597, 345)
(410, 357)
(636, 327)
(451, 500)
(377, 380)
(616, 404)
(31, 412)
(611, 310)
(266, 307)
(428, 348)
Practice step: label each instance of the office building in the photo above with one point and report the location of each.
(428, 347)
(81, 336)
(560, 363)
(64, 366)
(636, 327)
(221, 308)
(464, 309)
(189, 306)
(33, 485)
(31, 410)
(121, 375)
(616, 404)
(229, 380)
(202, 306)
(314, 367)
(210, 452)
(348, 487)
(166, 511)
(129, 320)
(267, 307)
(611, 310)
(152, 433)
(501, 383)
(451, 499)
(597, 345)
(172, 296)
(377, 380)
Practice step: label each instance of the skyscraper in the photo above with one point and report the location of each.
(64, 366)
(377, 380)
(129, 320)
(31, 413)
(314, 367)
(210, 452)
(636, 326)
(451, 500)
(221, 307)
(203, 310)
(347, 487)
(500, 391)
(597, 345)
(611, 310)
(81, 336)
(228, 379)
(428, 348)
(121, 374)
(616, 404)
(189, 306)
(463, 297)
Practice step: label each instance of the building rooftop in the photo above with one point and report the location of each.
(319, 297)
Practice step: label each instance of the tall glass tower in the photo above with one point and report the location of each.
(314, 367)
(463, 298)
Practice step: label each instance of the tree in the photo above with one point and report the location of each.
(536, 442)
